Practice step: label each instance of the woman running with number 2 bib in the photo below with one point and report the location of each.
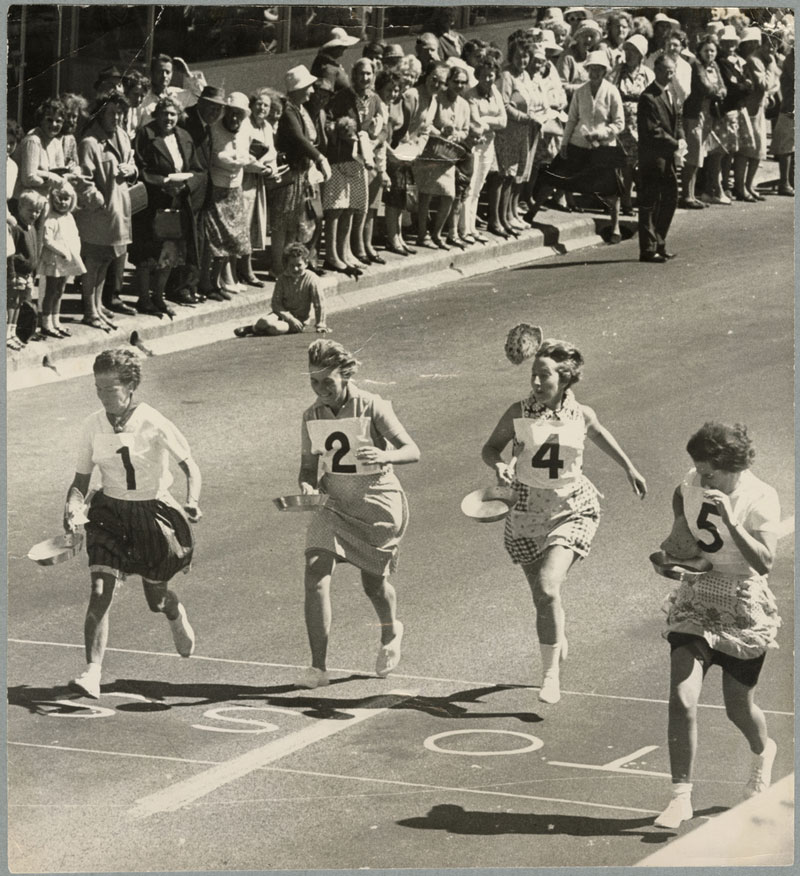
(350, 441)
(557, 511)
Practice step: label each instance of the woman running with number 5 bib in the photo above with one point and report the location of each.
(350, 441)
(557, 511)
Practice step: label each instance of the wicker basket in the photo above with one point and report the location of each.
(439, 149)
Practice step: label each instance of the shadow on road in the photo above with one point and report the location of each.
(456, 819)
(159, 696)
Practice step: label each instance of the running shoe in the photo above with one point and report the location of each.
(182, 633)
(678, 811)
(88, 682)
(311, 677)
(551, 689)
(761, 772)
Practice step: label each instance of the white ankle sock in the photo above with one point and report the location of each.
(550, 654)
(682, 789)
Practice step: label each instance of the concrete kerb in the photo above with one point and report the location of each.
(51, 361)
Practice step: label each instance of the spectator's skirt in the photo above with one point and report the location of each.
(402, 178)
(254, 194)
(435, 178)
(226, 223)
(514, 150)
(151, 538)
(783, 135)
(735, 132)
(347, 187)
(700, 138)
(287, 203)
(586, 170)
(758, 149)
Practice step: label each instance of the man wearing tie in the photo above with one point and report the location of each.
(661, 149)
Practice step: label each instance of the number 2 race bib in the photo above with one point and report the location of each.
(336, 442)
(551, 454)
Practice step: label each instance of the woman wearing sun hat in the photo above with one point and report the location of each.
(631, 77)
(297, 138)
(556, 513)
(571, 64)
(327, 64)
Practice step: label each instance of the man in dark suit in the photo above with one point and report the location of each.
(661, 148)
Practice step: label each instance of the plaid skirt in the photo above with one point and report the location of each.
(151, 538)
(735, 615)
(362, 522)
(347, 187)
(540, 519)
(226, 223)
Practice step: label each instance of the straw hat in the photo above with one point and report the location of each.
(588, 25)
(339, 37)
(729, 34)
(299, 77)
(751, 35)
(661, 18)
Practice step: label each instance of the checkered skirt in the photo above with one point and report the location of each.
(540, 519)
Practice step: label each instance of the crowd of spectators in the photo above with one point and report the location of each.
(458, 140)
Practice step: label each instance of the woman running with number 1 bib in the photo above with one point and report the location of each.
(350, 441)
(557, 511)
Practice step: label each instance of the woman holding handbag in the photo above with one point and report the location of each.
(165, 232)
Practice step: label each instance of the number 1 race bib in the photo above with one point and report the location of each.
(551, 454)
(336, 442)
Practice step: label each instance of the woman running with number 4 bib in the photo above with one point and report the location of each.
(350, 441)
(557, 511)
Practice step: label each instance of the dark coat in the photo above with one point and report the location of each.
(704, 87)
(291, 139)
(660, 126)
(155, 162)
(738, 88)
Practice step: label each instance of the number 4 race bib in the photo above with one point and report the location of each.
(551, 454)
(336, 442)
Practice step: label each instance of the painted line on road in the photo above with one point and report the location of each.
(417, 786)
(189, 790)
(395, 675)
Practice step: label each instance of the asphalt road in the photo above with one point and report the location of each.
(707, 336)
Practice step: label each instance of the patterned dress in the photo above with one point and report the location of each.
(556, 503)
(367, 512)
(732, 606)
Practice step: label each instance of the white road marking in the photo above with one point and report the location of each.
(368, 675)
(187, 791)
(363, 779)
(621, 761)
(616, 766)
(534, 743)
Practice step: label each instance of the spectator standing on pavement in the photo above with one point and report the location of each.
(451, 42)
(556, 510)
(590, 159)
(165, 232)
(571, 64)
(75, 114)
(162, 68)
(631, 77)
(619, 26)
(39, 154)
(327, 63)
(135, 86)
(254, 184)
(104, 221)
(22, 305)
(296, 138)
(727, 615)
(426, 50)
(783, 135)
(703, 107)
(297, 298)
(135, 527)
(736, 131)
(761, 72)
(661, 144)
(226, 223)
(489, 113)
(368, 514)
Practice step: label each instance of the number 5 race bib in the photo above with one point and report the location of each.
(336, 442)
(551, 454)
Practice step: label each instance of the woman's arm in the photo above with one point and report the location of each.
(502, 435)
(194, 483)
(404, 451)
(609, 445)
(757, 548)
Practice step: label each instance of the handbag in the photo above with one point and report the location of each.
(167, 224)
(138, 196)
